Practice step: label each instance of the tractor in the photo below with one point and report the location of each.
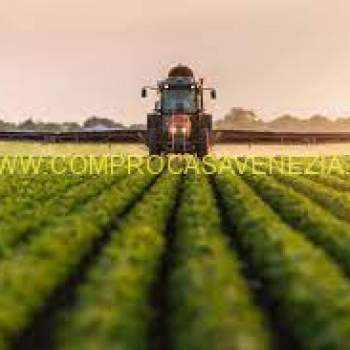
(178, 123)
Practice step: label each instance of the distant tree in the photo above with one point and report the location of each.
(5, 126)
(49, 127)
(70, 126)
(239, 118)
(285, 122)
(28, 124)
(96, 122)
(319, 122)
(343, 124)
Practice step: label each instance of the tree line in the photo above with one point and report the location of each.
(91, 123)
(240, 118)
(237, 118)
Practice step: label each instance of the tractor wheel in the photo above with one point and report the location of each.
(203, 143)
(153, 142)
(206, 121)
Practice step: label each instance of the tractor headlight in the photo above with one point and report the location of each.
(184, 130)
(173, 130)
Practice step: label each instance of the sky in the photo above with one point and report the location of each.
(65, 60)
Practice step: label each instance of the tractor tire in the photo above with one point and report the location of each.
(153, 142)
(206, 121)
(153, 121)
(203, 145)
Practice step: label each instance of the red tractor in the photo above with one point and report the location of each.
(179, 123)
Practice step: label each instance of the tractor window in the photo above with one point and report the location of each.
(179, 100)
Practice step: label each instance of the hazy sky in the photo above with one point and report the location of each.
(69, 59)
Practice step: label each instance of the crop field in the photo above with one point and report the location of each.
(237, 258)
(21, 148)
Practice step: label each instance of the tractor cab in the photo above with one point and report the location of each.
(178, 98)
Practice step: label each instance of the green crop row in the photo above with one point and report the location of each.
(24, 190)
(329, 169)
(49, 213)
(33, 272)
(332, 181)
(113, 310)
(210, 303)
(303, 214)
(309, 291)
(318, 184)
(336, 180)
(18, 205)
(334, 201)
(25, 187)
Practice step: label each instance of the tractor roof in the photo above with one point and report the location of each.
(181, 71)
